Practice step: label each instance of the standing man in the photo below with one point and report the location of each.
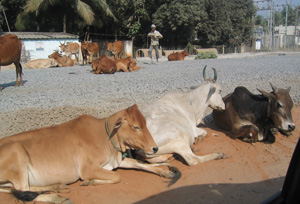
(155, 36)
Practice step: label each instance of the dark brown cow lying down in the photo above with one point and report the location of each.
(84, 148)
(178, 56)
(252, 117)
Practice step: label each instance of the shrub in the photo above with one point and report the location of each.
(206, 55)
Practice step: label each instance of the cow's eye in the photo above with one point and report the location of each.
(136, 127)
(279, 105)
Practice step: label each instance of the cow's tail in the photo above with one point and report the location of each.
(25, 196)
(176, 177)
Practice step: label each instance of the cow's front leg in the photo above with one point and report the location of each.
(248, 133)
(160, 159)
(200, 134)
(133, 163)
(269, 134)
(94, 175)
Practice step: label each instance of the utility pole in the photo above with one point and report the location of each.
(296, 26)
(271, 44)
(271, 9)
(5, 17)
(286, 17)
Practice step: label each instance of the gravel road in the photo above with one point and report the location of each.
(72, 91)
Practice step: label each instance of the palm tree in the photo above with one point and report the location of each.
(83, 9)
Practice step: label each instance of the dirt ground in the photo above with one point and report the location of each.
(250, 174)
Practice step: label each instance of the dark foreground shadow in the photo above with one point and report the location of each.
(238, 193)
(9, 84)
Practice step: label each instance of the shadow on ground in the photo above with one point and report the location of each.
(218, 193)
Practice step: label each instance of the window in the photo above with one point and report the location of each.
(39, 46)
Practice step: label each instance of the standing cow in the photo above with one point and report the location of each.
(84, 52)
(116, 48)
(10, 52)
(252, 117)
(70, 49)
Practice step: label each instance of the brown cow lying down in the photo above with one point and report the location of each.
(127, 65)
(36, 162)
(40, 63)
(178, 56)
(104, 65)
(62, 60)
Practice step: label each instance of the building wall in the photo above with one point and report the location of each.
(40, 49)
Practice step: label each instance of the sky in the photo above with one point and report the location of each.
(276, 2)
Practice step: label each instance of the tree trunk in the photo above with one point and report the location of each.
(65, 23)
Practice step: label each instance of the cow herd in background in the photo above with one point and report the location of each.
(154, 133)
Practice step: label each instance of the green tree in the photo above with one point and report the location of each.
(280, 16)
(180, 20)
(261, 21)
(42, 8)
(13, 8)
(206, 22)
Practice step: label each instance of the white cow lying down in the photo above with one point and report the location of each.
(172, 120)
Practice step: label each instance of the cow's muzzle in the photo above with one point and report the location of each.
(291, 127)
(155, 149)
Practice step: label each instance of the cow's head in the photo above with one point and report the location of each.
(133, 133)
(109, 46)
(185, 53)
(214, 98)
(84, 45)
(55, 55)
(280, 107)
(63, 46)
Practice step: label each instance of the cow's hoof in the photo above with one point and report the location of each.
(63, 189)
(67, 201)
(271, 138)
(85, 183)
(222, 156)
(168, 174)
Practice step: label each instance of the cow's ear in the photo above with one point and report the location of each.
(118, 123)
(212, 90)
(274, 88)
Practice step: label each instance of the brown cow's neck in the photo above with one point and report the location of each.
(115, 143)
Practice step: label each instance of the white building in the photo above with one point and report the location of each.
(291, 33)
(41, 44)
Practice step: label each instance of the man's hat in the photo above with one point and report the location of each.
(153, 26)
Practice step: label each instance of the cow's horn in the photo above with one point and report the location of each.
(204, 73)
(274, 88)
(215, 74)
